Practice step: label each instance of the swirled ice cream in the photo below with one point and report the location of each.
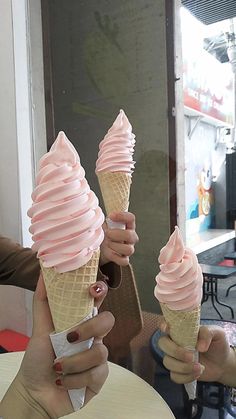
(179, 282)
(117, 148)
(66, 223)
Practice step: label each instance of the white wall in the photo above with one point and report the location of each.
(22, 121)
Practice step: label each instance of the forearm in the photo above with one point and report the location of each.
(228, 377)
(17, 403)
(18, 265)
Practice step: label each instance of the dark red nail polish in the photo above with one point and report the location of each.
(98, 289)
(58, 382)
(73, 337)
(57, 367)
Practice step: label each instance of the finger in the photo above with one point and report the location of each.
(93, 379)
(42, 320)
(175, 351)
(116, 258)
(98, 291)
(98, 326)
(124, 217)
(91, 391)
(206, 335)
(176, 366)
(183, 378)
(122, 249)
(83, 361)
(164, 326)
(120, 236)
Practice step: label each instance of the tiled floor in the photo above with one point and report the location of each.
(171, 392)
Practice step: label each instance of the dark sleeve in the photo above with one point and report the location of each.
(18, 265)
(111, 274)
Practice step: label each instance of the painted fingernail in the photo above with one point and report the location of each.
(58, 382)
(72, 337)
(97, 289)
(57, 367)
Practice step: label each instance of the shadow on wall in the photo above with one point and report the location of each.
(150, 203)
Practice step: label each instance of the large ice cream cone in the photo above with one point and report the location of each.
(179, 291)
(115, 188)
(67, 232)
(68, 293)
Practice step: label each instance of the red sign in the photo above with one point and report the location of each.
(208, 87)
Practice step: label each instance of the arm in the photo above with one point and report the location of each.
(17, 403)
(18, 266)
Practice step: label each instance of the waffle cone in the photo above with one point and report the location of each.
(183, 325)
(68, 293)
(115, 188)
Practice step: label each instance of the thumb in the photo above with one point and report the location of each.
(98, 291)
(42, 319)
(205, 337)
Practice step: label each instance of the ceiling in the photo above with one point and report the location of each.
(211, 11)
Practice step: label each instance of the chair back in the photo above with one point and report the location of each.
(124, 304)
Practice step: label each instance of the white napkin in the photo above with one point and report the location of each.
(191, 388)
(63, 348)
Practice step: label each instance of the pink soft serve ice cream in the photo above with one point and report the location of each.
(179, 282)
(66, 217)
(117, 148)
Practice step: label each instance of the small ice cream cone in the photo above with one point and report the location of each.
(68, 293)
(184, 325)
(114, 166)
(115, 188)
(179, 291)
(183, 330)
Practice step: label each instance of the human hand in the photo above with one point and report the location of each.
(118, 245)
(48, 387)
(215, 357)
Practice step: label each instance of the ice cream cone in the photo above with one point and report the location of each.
(183, 330)
(68, 293)
(115, 188)
(184, 325)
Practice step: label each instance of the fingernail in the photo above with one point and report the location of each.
(72, 337)
(202, 368)
(163, 327)
(58, 382)
(57, 367)
(198, 370)
(97, 289)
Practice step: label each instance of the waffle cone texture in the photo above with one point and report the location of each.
(184, 325)
(115, 188)
(68, 293)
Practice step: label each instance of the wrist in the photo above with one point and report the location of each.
(18, 402)
(228, 376)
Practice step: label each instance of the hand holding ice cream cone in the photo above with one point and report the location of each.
(179, 291)
(67, 232)
(118, 244)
